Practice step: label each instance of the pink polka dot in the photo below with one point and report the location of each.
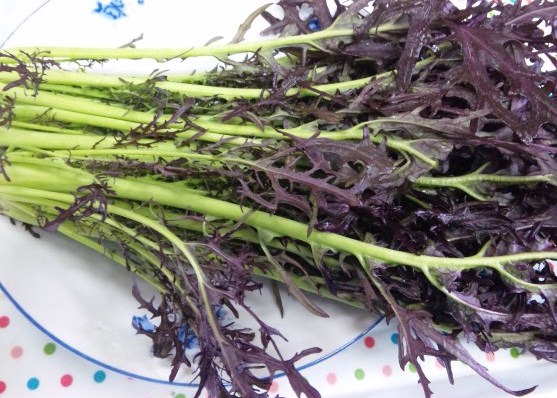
(369, 342)
(4, 321)
(331, 378)
(490, 356)
(2, 387)
(66, 380)
(274, 387)
(387, 370)
(16, 352)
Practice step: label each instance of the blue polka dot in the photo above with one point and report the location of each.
(394, 338)
(99, 376)
(33, 383)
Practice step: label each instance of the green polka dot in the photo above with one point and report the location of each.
(412, 368)
(179, 396)
(49, 348)
(359, 374)
(514, 352)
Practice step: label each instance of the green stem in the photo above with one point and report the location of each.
(468, 183)
(73, 90)
(86, 106)
(34, 112)
(306, 283)
(157, 151)
(296, 230)
(216, 133)
(58, 79)
(472, 179)
(31, 139)
(43, 127)
(45, 181)
(53, 141)
(160, 54)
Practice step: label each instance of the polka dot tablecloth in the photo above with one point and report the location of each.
(33, 364)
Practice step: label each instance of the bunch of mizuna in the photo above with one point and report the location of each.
(397, 156)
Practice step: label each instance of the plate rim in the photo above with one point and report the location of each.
(61, 342)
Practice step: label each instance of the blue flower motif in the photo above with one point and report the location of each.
(113, 10)
(141, 2)
(143, 324)
(187, 337)
(185, 333)
(220, 313)
(314, 24)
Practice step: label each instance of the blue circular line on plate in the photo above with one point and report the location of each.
(22, 22)
(341, 348)
(77, 352)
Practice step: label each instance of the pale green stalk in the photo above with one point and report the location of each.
(306, 283)
(161, 54)
(215, 131)
(44, 113)
(468, 183)
(44, 181)
(58, 79)
(43, 127)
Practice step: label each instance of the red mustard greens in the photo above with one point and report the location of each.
(396, 156)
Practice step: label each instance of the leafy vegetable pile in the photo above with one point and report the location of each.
(399, 158)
